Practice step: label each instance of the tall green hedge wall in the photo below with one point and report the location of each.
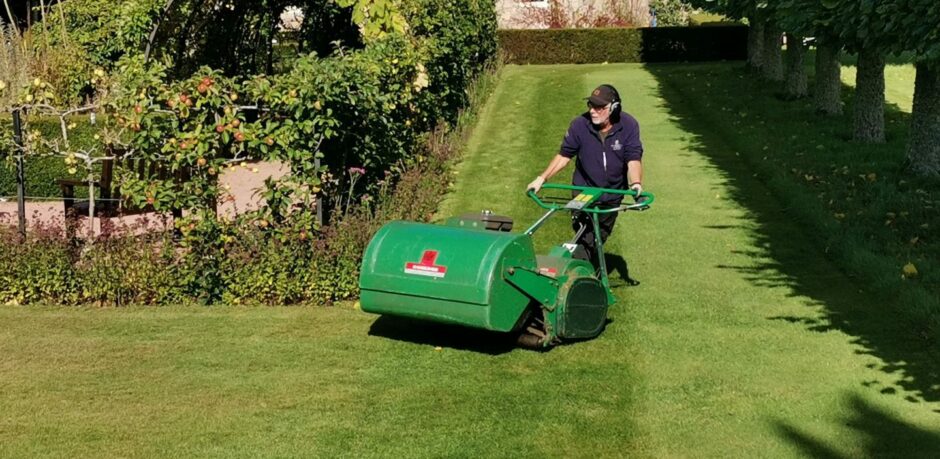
(571, 46)
(653, 44)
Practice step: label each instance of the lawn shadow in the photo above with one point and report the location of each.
(443, 335)
(617, 265)
(456, 337)
(879, 433)
(876, 324)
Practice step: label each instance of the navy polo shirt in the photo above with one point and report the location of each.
(602, 164)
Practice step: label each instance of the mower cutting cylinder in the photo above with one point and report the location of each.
(447, 274)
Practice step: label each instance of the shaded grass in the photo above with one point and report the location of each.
(861, 209)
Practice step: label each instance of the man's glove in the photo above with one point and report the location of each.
(536, 184)
(638, 188)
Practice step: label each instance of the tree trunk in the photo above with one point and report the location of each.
(796, 73)
(923, 148)
(755, 44)
(828, 87)
(772, 68)
(870, 97)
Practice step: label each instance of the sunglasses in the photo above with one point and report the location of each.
(597, 107)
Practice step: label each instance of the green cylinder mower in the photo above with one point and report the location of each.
(472, 271)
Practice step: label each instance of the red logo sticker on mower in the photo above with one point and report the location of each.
(549, 272)
(426, 267)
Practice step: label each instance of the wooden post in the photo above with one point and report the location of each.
(316, 163)
(20, 172)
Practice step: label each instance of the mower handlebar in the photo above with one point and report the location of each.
(596, 192)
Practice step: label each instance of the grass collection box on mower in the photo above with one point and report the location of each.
(471, 271)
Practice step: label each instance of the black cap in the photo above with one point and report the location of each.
(603, 95)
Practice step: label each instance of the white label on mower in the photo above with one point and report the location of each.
(426, 267)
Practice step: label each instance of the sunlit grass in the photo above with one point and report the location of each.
(734, 345)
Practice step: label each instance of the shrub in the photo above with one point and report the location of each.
(130, 270)
(266, 268)
(672, 44)
(571, 46)
(41, 172)
(348, 124)
(671, 13)
(251, 260)
(458, 46)
(656, 44)
(37, 270)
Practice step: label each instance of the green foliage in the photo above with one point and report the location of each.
(38, 270)
(371, 103)
(130, 270)
(571, 46)
(14, 71)
(236, 38)
(267, 257)
(348, 125)
(862, 25)
(363, 109)
(804, 18)
(105, 29)
(671, 13)
(376, 18)
(457, 48)
(77, 36)
(675, 44)
(266, 268)
(252, 260)
(656, 44)
(42, 172)
(918, 23)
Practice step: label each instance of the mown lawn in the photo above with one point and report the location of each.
(742, 340)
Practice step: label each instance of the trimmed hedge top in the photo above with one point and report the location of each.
(571, 46)
(653, 44)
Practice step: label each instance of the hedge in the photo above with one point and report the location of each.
(570, 46)
(42, 173)
(683, 44)
(652, 44)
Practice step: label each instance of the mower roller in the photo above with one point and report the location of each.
(472, 271)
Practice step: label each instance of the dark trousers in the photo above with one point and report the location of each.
(586, 240)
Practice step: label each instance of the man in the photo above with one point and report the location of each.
(606, 145)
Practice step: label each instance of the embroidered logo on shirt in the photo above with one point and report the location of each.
(617, 145)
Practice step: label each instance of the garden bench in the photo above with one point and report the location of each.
(109, 202)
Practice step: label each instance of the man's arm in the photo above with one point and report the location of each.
(558, 163)
(634, 172)
(635, 177)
